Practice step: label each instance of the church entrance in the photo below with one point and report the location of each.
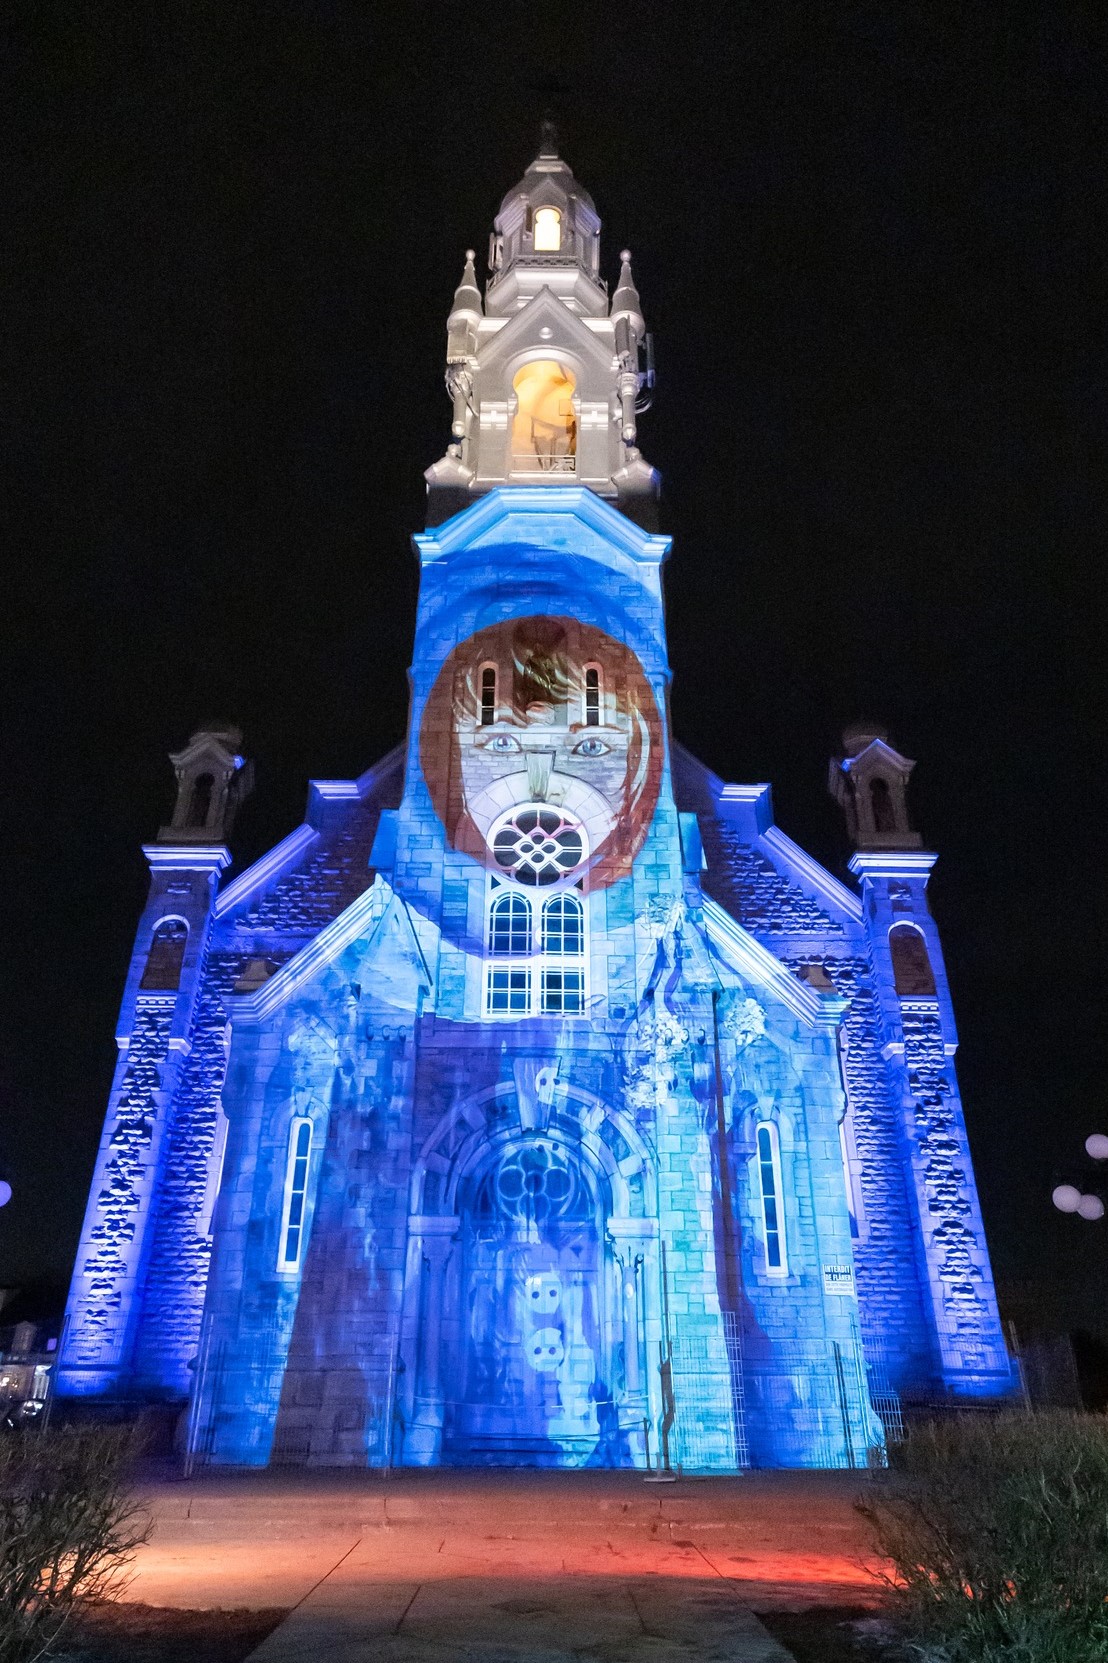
(536, 1385)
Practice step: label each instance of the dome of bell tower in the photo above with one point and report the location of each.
(546, 235)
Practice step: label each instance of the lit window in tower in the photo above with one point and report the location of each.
(769, 1179)
(548, 230)
(296, 1195)
(544, 428)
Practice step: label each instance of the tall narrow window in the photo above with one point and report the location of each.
(769, 1182)
(162, 972)
(509, 923)
(488, 695)
(200, 803)
(592, 696)
(563, 925)
(296, 1195)
(548, 230)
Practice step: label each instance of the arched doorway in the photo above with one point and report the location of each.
(532, 1290)
(535, 1292)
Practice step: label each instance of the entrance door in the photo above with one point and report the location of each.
(536, 1378)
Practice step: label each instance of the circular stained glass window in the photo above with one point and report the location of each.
(537, 844)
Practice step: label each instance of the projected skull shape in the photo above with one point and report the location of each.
(541, 745)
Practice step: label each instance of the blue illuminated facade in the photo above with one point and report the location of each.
(537, 1101)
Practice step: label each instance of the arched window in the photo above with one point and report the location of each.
(544, 430)
(563, 925)
(770, 1189)
(200, 803)
(488, 695)
(162, 972)
(592, 696)
(296, 1195)
(913, 976)
(548, 231)
(881, 803)
(509, 923)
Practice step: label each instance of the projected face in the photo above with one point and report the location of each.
(541, 745)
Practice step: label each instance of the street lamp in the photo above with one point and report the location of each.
(1069, 1199)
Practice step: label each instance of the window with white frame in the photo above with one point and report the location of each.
(768, 1160)
(535, 949)
(296, 1195)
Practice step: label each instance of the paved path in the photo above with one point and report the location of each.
(505, 1567)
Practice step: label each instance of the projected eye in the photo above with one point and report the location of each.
(502, 743)
(591, 747)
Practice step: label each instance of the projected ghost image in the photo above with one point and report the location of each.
(541, 745)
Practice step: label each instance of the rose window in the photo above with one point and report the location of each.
(535, 1183)
(537, 844)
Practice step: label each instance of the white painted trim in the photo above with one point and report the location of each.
(810, 872)
(759, 965)
(369, 908)
(273, 865)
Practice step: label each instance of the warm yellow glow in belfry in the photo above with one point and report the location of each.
(544, 431)
(548, 230)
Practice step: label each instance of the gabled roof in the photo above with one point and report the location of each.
(566, 333)
(479, 522)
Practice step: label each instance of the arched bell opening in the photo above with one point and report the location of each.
(544, 426)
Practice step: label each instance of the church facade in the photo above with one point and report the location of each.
(537, 1101)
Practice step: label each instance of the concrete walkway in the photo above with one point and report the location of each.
(502, 1567)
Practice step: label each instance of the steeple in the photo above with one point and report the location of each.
(545, 378)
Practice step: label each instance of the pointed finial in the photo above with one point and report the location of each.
(467, 296)
(625, 301)
(548, 138)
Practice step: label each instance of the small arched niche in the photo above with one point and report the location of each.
(913, 976)
(544, 428)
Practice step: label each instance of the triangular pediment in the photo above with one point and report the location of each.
(567, 334)
(392, 964)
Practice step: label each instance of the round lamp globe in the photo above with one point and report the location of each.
(1097, 1146)
(1090, 1207)
(5, 1192)
(1066, 1198)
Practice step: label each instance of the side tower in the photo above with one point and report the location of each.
(919, 1037)
(153, 1036)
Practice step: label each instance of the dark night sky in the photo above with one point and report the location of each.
(863, 236)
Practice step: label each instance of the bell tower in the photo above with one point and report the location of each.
(547, 375)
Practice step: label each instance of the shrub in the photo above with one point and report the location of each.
(997, 1530)
(68, 1529)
